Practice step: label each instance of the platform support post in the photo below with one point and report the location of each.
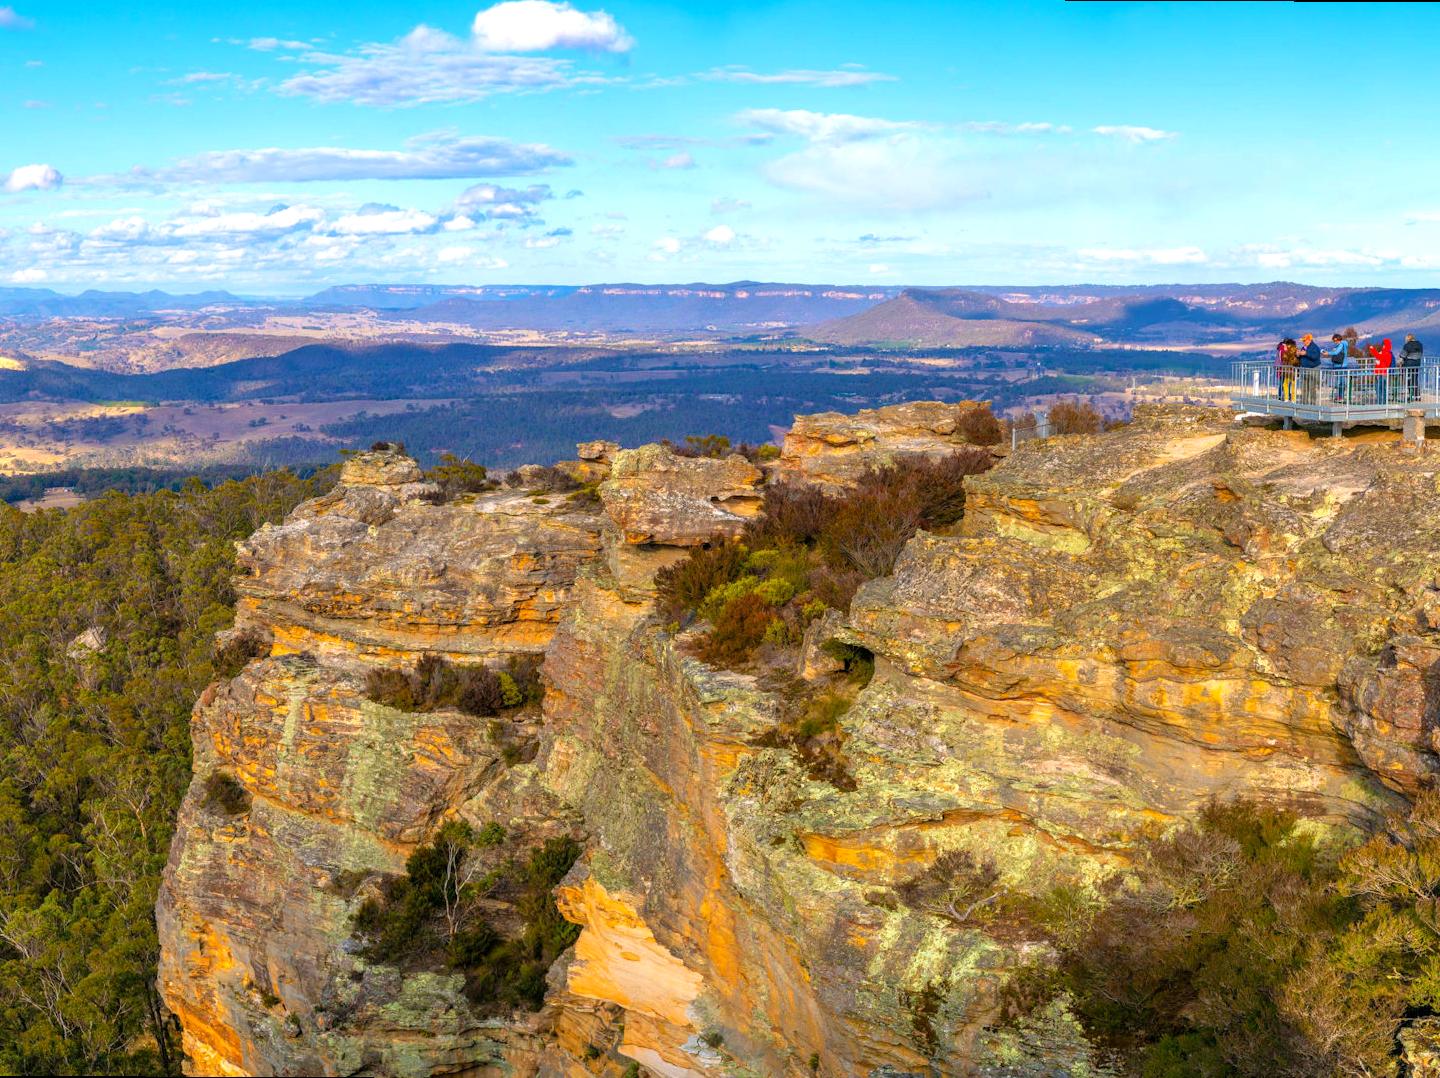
(1335, 429)
(1289, 423)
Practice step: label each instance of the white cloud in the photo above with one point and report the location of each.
(879, 267)
(426, 66)
(430, 157)
(999, 127)
(720, 235)
(1131, 133)
(537, 25)
(1155, 256)
(275, 220)
(667, 245)
(1273, 257)
(903, 172)
(674, 161)
(33, 178)
(10, 19)
(453, 254)
(848, 76)
(28, 276)
(389, 221)
(491, 202)
(728, 205)
(822, 126)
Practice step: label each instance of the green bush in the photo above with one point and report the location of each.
(682, 587)
(1241, 944)
(429, 917)
(435, 683)
(455, 477)
(738, 630)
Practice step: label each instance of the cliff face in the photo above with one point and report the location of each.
(1123, 627)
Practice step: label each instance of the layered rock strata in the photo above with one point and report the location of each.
(1123, 627)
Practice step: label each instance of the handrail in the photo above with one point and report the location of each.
(1335, 393)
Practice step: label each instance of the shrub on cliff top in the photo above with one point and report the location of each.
(1075, 417)
(435, 683)
(1240, 944)
(978, 426)
(807, 551)
(455, 477)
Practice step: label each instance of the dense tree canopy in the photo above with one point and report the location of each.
(107, 613)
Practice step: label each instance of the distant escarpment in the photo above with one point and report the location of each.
(1121, 630)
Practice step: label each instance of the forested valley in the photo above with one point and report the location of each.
(107, 615)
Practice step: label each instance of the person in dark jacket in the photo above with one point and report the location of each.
(1412, 358)
(1309, 351)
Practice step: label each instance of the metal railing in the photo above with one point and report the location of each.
(1335, 393)
(1040, 428)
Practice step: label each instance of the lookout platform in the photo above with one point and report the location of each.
(1336, 395)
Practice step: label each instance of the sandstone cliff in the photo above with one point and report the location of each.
(1123, 627)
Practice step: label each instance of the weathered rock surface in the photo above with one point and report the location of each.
(374, 570)
(834, 449)
(1123, 627)
(655, 496)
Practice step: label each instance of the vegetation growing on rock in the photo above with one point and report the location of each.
(95, 749)
(808, 551)
(444, 910)
(475, 689)
(1243, 944)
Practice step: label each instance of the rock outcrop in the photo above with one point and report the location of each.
(1123, 627)
(833, 449)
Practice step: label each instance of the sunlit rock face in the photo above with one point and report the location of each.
(833, 449)
(1123, 627)
(374, 570)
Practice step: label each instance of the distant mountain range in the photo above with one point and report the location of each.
(989, 316)
(44, 303)
(1179, 314)
(746, 306)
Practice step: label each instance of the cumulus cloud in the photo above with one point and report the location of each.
(33, 178)
(385, 221)
(429, 66)
(10, 19)
(491, 202)
(273, 221)
(1132, 133)
(720, 236)
(432, 157)
(28, 276)
(845, 76)
(537, 25)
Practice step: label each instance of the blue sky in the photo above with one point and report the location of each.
(274, 147)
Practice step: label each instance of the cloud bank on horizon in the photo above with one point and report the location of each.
(288, 146)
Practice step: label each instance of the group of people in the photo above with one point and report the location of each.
(1372, 368)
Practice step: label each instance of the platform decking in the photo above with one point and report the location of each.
(1336, 395)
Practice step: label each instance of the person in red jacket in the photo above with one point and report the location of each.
(1384, 359)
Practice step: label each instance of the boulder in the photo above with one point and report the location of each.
(654, 496)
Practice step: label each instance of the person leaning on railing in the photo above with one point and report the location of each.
(1286, 359)
(1384, 358)
(1412, 358)
(1340, 361)
(1310, 359)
